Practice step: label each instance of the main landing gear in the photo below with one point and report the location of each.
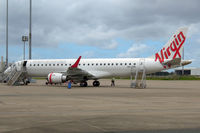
(96, 83)
(85, 84)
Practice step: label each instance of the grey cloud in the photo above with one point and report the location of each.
(134, 51)
(97, 23)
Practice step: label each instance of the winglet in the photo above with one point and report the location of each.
(75, 65)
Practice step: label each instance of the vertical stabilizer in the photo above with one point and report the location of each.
(174, 47)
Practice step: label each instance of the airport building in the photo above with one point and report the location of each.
(188, 71)
(162, 73)
(178, 71)
(2, 68)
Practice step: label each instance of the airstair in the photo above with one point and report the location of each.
(140, 75)
(17, 74)
(15, 77)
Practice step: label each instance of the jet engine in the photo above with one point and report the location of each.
(54, 78)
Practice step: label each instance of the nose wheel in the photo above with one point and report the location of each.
(96, 83)
(83, 84)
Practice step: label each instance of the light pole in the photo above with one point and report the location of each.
(30, 36)
(6, 33)
(24, 39)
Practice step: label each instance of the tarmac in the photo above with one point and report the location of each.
(163, 107)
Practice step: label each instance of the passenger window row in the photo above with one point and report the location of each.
(84, 64)
(49, 65)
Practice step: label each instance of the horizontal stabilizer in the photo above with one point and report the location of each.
(185, 62)
(173, 62)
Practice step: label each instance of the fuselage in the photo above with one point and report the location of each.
(99, 67)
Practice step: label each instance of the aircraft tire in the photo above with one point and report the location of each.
(96, 83)
(83, 84)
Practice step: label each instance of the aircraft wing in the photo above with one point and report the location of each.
(76, 74)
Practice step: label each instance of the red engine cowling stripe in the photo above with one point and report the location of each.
(50, 78)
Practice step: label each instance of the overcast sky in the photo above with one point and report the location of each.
(100, 28)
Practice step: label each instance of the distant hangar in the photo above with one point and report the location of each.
(188, 71)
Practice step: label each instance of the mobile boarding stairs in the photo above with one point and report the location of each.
(17, 74)
(139, 74)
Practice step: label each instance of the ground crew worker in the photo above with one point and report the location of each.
(69, 85)
(113, 82)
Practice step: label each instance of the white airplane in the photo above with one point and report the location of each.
(82, 70)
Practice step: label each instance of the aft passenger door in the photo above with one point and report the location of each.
(141, 65)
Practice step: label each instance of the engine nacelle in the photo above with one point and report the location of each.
(56, 78)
